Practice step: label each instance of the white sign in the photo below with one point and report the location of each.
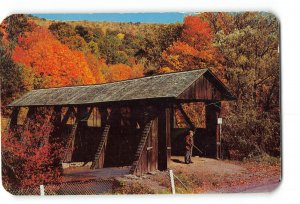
(219, 121)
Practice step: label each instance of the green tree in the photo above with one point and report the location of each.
(66, 34)
(157, 39)
(251, 53)
(11, 79)
(84, 32)
(62, 30)
(110, 48)
(17, 24)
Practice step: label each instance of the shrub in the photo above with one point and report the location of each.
(29, 159)
(249, 134)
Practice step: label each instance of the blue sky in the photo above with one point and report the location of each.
(119, 17)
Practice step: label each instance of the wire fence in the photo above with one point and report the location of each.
(92, 187)
(174, 178)
(72, 188)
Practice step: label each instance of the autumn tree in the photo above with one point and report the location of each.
(195, 47)
(11, 79)
(95, 65)
(66, 34)
(252, 70)
(62, 30)
(137, 71)
(84, 32)
(119, 72)
(157, 39)
(110, 49)
(219, 21)
(16, 26)
(53, 63)
(29, 157)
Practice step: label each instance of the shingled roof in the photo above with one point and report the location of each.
(169, 85)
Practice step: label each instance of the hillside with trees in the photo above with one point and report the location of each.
(242, 49)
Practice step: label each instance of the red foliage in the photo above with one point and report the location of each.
(195, 48)
(52, 62)
(29, 159)
(196, 32)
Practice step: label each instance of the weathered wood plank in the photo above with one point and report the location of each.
(202, 89)
(141, 150)
(212, 128)
(164, 144)
(100, 153)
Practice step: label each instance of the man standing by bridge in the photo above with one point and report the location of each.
(189, 147)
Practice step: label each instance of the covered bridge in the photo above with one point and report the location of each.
(134, 118)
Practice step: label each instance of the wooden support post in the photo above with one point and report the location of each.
(104, 116)
(212, 128)
(172, 126)
(172, 117)
(12, 124)
(164, 138)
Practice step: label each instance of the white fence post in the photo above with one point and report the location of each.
(42, 190)
(172, 181)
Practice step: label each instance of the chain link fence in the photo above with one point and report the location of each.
(72, 188)
(101, 186)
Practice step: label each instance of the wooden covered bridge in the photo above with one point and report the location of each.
(134, 118)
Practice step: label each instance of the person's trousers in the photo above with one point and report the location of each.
(187, 157)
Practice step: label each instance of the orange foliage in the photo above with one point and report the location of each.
(195, 49)
(51, 61)
(137, 71)
(119, 72)
(95, 66)
(181, 56)
(164, 70)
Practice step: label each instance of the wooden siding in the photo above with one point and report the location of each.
(168, 136)
(100, 154)
(201, 89)
(164, 141)
(212, 127)
(148, 159)
(154, 135)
